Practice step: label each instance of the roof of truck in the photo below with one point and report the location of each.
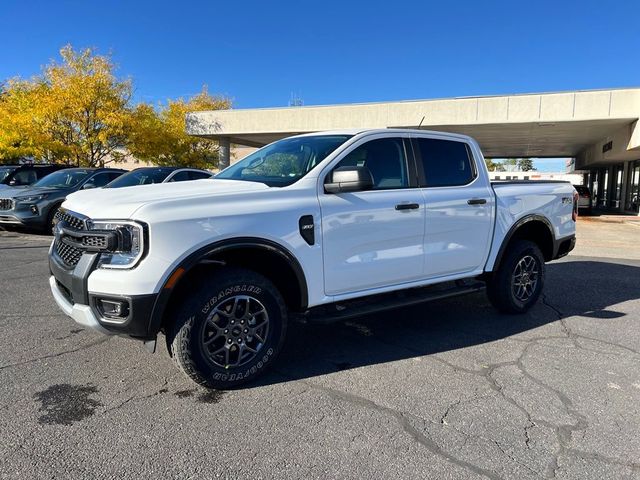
(371, 131)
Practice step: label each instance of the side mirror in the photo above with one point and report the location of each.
(349, 179)
(88, 186)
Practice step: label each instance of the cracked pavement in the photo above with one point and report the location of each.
(449, 389)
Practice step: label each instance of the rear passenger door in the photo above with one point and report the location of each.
(459, 206)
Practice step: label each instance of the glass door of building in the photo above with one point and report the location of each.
(632, 201)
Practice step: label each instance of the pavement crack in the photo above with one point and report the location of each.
(161, 390)
(404, 423)
(59, 354)
(443, 420)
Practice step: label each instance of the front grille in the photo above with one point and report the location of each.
(72, 220)
(69, 255)
(6, 204)
(96, 242)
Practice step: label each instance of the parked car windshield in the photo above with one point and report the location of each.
(140, 176)
(63, 178)
(284, 162)
(5, 172)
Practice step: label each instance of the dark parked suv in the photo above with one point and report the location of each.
(24, 175)
(36, 205)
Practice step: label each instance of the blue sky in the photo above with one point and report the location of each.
(259, 52)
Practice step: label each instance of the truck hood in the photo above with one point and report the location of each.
(122, 203)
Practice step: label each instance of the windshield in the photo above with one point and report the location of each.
(142, 176)
(63, 178)
(5, 172)
(284, 162)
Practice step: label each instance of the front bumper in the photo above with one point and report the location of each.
(23, 214)
(70, 291)
(81, 314)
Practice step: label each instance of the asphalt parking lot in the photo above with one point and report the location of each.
(445, 390)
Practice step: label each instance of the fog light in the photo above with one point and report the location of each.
(34, 209)
(113, 309)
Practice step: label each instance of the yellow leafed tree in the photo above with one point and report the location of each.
(75, 112)
(159, 135)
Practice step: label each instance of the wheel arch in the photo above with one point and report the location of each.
(535, 228)
(263, 256)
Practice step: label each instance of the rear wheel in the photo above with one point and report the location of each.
(517, 284)
(230, 330)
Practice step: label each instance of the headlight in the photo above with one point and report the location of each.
(30, 198)
(130, 248)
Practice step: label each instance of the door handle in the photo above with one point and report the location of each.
(477, 201)
(407, 206)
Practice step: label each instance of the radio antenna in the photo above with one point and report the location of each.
(420, 124)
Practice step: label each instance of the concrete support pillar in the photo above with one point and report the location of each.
(224, 153)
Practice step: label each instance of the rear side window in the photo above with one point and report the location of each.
(445, 163)
(180, 177)
(193, 175)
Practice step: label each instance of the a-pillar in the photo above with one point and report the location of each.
(224, 153)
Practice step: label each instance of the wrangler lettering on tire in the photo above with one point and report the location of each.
(230, 330)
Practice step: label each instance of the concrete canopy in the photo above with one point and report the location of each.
(568, 124)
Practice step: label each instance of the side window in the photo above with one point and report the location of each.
(445, 162)
(193, 175)
(43, 172)
(385, 158)
(114, 175)
(24, 177)
(180, 177)
(100, 180)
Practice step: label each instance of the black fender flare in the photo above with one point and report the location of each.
(534, 217)
(203, 254)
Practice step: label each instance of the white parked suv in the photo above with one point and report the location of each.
(326, 226)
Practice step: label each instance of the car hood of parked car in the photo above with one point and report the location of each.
(28, 191)
(121, 203)
(9, 188)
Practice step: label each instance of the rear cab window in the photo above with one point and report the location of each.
(444, 163)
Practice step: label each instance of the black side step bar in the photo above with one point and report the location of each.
(334, 312)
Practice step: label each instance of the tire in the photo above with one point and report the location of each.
(48, 227)
(506, 290)
(220, 325)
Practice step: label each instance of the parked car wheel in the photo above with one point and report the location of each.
(517, 284)
(48, 227)
(230, 330)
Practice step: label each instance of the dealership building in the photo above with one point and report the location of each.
(597, 129)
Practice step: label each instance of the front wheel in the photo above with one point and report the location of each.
(230, 330)
(517, 284)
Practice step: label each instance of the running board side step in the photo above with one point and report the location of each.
(378, 303)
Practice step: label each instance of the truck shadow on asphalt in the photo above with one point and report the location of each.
(576, 288)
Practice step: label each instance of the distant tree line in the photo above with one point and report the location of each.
(78, 112)
(510, 164)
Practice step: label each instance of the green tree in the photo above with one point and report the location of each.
(525, 164)
(493, 166)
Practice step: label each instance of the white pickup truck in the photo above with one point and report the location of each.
(324, 226)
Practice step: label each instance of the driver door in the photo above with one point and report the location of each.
(374, 238)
